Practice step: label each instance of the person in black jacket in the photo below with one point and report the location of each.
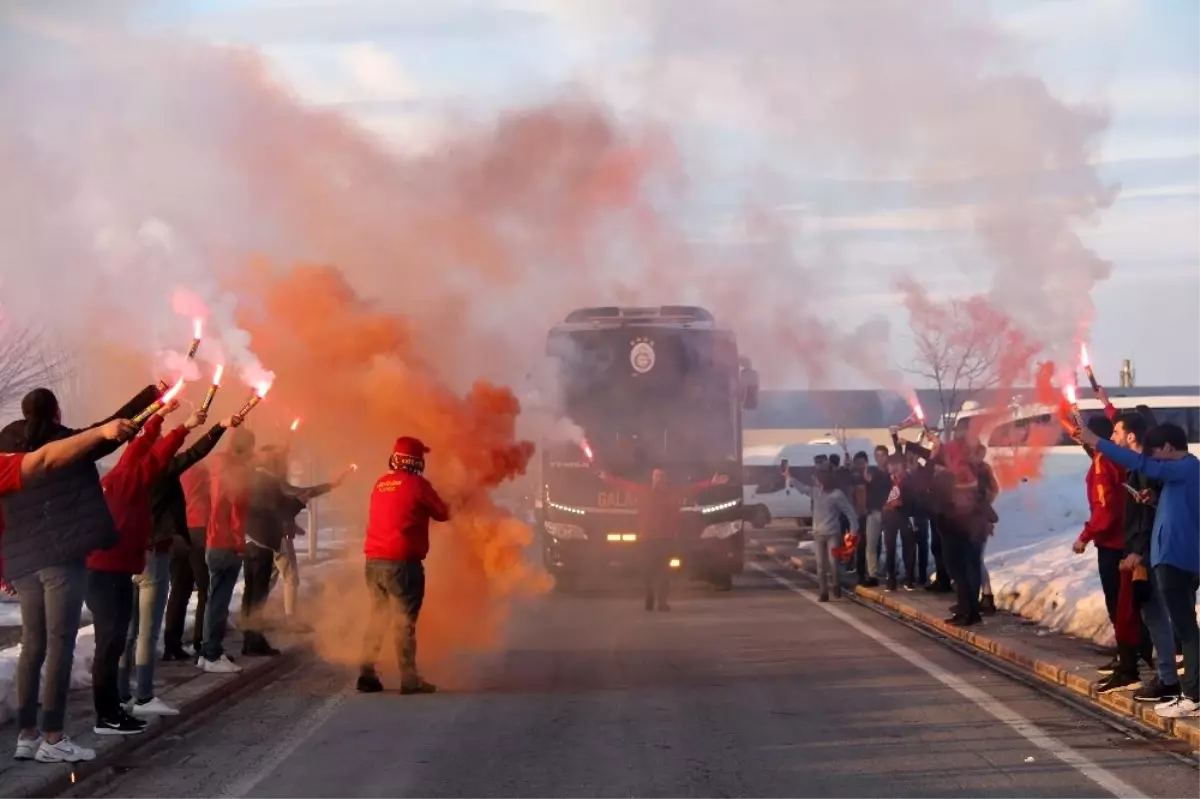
(928, 540)
(168, 508)
(272, 509)
(1129, 431)
(50, 527)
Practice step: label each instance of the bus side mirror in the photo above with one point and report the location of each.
(749, 385)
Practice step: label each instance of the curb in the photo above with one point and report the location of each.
(71, 779)
(1118, 703)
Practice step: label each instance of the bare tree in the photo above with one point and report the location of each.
(26, 362)
(965, 348)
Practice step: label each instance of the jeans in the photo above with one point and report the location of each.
(1108, 561)
(224, 565)
(873, 540)
(898, 527)
(397, 592)
(920, 528)
(656, 572)
(1178, 591)
(110, 598)
(258, 562)
(1162, 635)
(937, 542)
(51, 604)
(141, 647)
(287, 567)
(827, 564)
(962, 558)
(985, 579)
(188, 572)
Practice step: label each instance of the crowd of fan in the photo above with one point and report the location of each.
(1142, 487)
(132, 546)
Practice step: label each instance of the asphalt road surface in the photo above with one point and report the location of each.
(757, 692)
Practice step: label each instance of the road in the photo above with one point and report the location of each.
(757, 692)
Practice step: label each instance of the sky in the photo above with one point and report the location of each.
(410, 71)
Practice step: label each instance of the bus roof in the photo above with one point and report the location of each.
(690, 316)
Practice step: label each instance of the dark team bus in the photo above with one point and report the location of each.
(650, 388)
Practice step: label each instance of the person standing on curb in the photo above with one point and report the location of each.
(50, 527)
(1174, 544)
(189, 572)
(403, 503)
(168, 508)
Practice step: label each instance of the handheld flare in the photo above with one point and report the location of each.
(295, 424)
(197, 329)
(1072, 399)
(158, 404)
(1085, 361)
(587, 450)
(212, 390)
(914, 419)
(255, 398)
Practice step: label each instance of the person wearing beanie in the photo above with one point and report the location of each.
(403, 503)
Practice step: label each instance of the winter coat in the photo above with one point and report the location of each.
(127, 492)
(62, 516)
(402, 505)
(168, 504)
(273, 505)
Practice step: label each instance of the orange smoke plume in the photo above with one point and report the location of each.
(377, 382)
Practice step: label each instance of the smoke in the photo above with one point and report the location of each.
(138, 165)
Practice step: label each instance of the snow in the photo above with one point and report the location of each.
(328, 541)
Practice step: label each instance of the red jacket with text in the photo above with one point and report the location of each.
(1106, 498)
(127, 492)
(658, 506)
(402, 505)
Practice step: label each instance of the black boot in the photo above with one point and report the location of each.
(255, 644)
(368, 682)
(987, 604)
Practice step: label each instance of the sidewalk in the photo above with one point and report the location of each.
(180, 685)
(1049, 656)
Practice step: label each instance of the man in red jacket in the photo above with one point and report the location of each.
(658, 522)
(1105, 527)
(110, 571)
(402, 504)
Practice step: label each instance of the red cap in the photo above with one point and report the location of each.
(410, 447)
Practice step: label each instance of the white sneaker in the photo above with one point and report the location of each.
(155, 707)
(222, 665)
(1181, 708)
(65, 751)
(27, 747)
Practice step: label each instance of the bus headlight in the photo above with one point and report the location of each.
(722, 530)
(565, 532)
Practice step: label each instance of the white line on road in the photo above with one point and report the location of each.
(276, 756)
(1019, 724)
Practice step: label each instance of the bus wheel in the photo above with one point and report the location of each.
(759, 517)
(723, 582)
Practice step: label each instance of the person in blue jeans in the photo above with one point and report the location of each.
(1174, 543)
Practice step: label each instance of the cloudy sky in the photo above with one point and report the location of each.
(404, 70)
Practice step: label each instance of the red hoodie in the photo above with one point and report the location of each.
(229, 485)
(1106, 498)
(402, 505)
(197, 489)
(127, 492)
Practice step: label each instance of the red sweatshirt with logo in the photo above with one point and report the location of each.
(402, 506)
(127, 492)
(1106, 498)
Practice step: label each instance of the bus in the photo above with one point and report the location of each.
(1023, 426)
(647, 388)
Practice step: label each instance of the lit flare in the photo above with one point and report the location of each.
(587, 450)
(1085, 360)
(256, 397)
(158, 404)
(212, 389)
(197, 331)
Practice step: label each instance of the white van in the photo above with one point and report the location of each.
(1023, 426)
(768, 494)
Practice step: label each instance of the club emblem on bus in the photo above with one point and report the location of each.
(641, 355)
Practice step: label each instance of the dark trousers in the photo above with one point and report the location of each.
(920, 547)
(963, 558)
(51, 604)
(1178, 591)
(895, 526)
(258, 563)
(937, 545)
(656, 571)
(1109, 563)
(188, 572)
(110, 599)
(397, 592)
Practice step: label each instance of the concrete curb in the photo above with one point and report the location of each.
(69, 780)
(1119, 703)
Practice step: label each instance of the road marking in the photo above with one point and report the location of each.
(1018, 723)
(302, 731)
